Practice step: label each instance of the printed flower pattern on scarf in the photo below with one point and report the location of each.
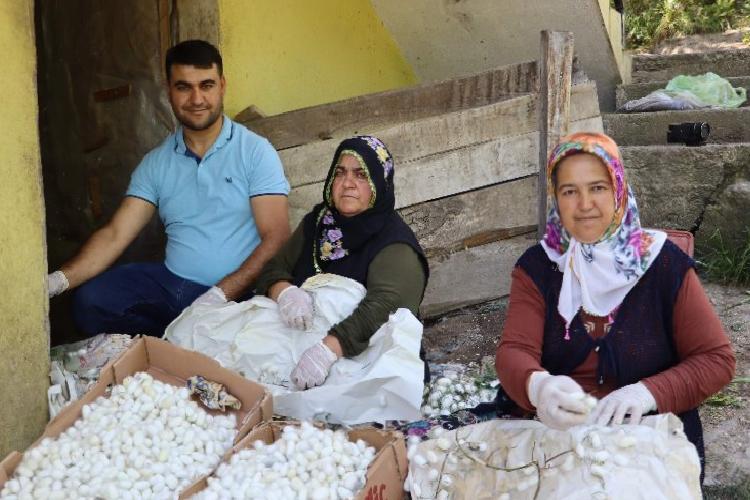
(597, 276)
(331, 244)
(385, 158)
(334, 234)
(630, 243)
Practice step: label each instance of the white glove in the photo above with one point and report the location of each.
(212, 296)
(57, 283)
(633, 399)
(295, 308)
(558, 399)
(313, 366)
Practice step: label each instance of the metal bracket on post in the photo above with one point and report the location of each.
(555, 77)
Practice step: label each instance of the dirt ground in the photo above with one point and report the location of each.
(468, 334)
(708, 42)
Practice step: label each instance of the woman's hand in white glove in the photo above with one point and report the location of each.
(634, 400)
(313, 366)
(558, 399)
(57, 283)
(295, 307)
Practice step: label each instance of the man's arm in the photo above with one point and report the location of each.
(272, 220)
(108, 242)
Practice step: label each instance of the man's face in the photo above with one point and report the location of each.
(196, 95)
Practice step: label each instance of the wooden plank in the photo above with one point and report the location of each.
(464, 169)
(473, 275)
(444, 174)
(362, 113)
(165, 32)
(474, 218)
(197, 19)
(407, 141)
(556, 72)
(423, 137)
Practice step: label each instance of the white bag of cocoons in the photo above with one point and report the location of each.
(524, 459)
(305, 462)
(385, 382)
(147, 440)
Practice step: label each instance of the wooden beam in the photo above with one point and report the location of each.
(423, 137)
(363, 113)
(197, 19)
(433, 135)
(441, 174)
(474, 218)
(444, 174)
(164, 8)
(473, 275)
(555, 76)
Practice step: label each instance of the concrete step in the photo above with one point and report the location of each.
(647, 129)
(689, 188)
(634, 91)
(659, 68)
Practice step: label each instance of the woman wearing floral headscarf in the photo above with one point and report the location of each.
(604, 306)
(355, 232)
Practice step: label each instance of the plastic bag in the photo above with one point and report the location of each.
(75, 368)
(660, 100)
(385, 382)
(652, 460)
(691, 92)
(710, 89)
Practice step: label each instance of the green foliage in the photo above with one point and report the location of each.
(648, 22)
(726, 262)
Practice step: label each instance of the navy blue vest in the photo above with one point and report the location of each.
(639, 343)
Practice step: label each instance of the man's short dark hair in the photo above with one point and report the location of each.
(198, 53)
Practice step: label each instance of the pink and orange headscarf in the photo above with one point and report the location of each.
(598, 276)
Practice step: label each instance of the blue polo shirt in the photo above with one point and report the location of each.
(204, 203)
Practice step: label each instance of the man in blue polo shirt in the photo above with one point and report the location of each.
(221, 193)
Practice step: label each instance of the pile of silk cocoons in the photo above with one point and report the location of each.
(305, 462)
(453, 392)
(442, 462)
(147, 440)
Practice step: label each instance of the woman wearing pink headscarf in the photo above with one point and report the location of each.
(606, 307)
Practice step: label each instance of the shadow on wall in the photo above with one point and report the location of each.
(102, 108)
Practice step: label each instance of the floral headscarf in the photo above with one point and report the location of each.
(598, 276)
(337, 235)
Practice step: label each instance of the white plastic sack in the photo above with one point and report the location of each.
(652, 461)
(385, 382)
(660, 100)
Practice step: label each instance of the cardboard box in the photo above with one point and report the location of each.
(385, 474)
(168, 363)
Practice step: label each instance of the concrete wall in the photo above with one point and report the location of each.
(288, 54)
(447, 38)
(24, 339)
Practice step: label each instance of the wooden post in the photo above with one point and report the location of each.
(555, 76)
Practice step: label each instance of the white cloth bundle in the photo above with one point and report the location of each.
(385, 382)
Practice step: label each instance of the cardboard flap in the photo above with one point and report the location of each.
(133, 360)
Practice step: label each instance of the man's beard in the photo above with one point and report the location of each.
(197, 127)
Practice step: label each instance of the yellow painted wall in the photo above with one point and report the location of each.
(24, 338)
(289, 54)
(613, 23)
